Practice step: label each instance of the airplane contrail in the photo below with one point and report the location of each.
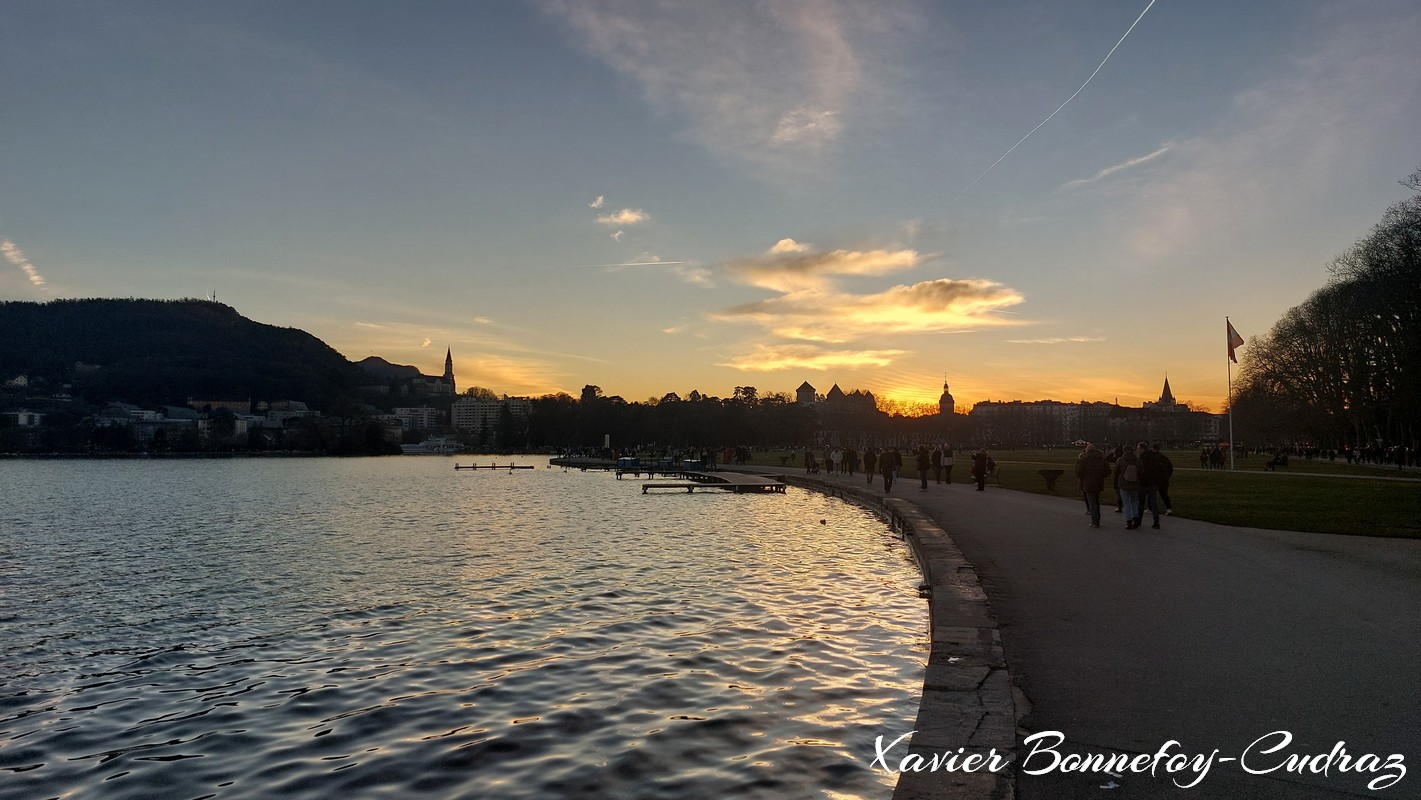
(1063, 105)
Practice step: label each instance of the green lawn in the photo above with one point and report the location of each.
(1293, 499)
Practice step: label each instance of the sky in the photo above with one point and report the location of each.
(660, 197)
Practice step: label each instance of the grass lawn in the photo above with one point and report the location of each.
(1298, 498)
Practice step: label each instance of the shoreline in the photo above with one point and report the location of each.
(967, 697)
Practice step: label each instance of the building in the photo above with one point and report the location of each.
(485, 416)
(449, 371)
(416, 419)
(946, 406)
(805, 394)
(1046, 423)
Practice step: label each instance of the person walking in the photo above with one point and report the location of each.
(937, 464)
(885, 466)
(1111, 458)
(947, 465)
(979, 468)
(1092, 469)
(1127, 483)
(1151, 472)
(924, 462)
(870, 460)
(1081, 480)
(1164, 481)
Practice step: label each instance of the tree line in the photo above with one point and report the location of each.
(1344, 367)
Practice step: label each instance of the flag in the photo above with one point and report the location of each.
(1235, 341)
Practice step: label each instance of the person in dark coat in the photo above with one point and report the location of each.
(937, 464)
(1152, 471)
(1111, 458)
(886, 466)
(870, 460)
(1092, 469)
(979, 469)
(924, 461)
(1127, 483)
(1164, 482)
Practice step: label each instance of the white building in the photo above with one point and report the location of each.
(475, 414)
(417, 419)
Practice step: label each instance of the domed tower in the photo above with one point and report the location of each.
(945, 405)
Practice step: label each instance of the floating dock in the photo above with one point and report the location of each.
(726, 481)
(493, 466)
(694, 479)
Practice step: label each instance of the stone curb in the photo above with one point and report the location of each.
(967, 697)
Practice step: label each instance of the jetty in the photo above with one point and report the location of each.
(727, 481)
(693, 475)
(493, 466)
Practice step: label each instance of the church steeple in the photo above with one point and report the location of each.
(449, 369)
(1166, 397)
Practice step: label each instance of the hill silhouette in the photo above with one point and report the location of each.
(154, 352)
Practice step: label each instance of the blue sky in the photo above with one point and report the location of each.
(658, 197)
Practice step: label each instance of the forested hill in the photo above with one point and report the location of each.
(157, 351)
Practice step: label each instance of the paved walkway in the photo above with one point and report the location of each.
(1206, 634)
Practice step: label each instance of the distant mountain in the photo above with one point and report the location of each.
(160, 351)
(385, 371)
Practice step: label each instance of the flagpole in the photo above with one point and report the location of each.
(1228, 365)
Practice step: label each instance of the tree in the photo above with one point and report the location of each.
(1345, 366)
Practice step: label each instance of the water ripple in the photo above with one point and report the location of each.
(388, 627)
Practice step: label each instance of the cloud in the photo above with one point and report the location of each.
(617, 236)
(1291, 140)
(935, 306)
(812, 307)
(771, 358)
(598, 202)
(16, 256)
(791, 266)
(627, 216)
(1123, 165)
(1058, 340)
(425, 342)
(774, 84)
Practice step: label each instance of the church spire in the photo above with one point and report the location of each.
(449, 369)
(1166, 397)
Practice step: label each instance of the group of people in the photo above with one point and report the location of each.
(1140, 477)
(888, 463)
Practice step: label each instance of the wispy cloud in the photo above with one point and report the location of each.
(772, 358)
(627, 216)
(16, 256)
(425, 342)
(776, 84)
(598, 202)
(1058, 340)
(1114, 168)
(1291, 140)
(617, 235)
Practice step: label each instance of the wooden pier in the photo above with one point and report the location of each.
(493, 466)
(726, 481)
(694, 479)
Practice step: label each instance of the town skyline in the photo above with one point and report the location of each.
(1042, 202)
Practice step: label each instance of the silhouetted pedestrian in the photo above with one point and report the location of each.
(979, 469)
(1092, 469)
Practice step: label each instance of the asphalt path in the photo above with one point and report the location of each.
(1205, 635)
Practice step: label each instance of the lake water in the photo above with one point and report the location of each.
(373, 628)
